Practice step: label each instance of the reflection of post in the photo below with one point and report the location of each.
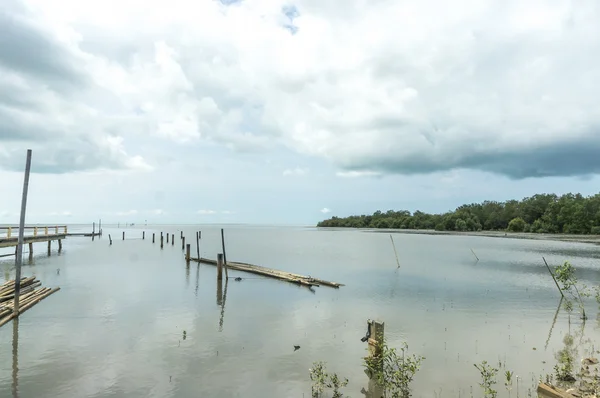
(219, 291)
(187, 274)
(15, 363)
(553, 322)
(197, 278)
(222, 318)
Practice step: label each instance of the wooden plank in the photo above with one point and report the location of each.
(549, 391)
(273, 273)
(14, 241)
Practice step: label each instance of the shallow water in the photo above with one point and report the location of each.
(116, 326)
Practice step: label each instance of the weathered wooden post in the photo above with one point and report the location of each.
(65, 229)
(49, 247)
(30, 251)
(46, 231)
(93, 229)
(19, 253)
(110, 239)
(219, 266)
(167, 239)
(9, 232)
(56, 230)
(143, 235)
(187, 253)
(181, 235)
(198, 245)
(161, 240)
(35, 231)
(183, 243)
(375, 338)
(172, 239)
(123, 235)
(152, 237)
(224, 255)
(59, 245)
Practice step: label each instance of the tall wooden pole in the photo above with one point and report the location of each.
(224, 254)
(19, 260)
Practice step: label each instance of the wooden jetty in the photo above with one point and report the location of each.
(272, 273)
(9, 236)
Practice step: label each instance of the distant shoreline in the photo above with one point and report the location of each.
(593, 239)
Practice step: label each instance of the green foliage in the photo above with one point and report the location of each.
(488, 379)
(542, 213)
(394, 371)
(565, 275)
(322, 380)
(517, 224)
(566, 358)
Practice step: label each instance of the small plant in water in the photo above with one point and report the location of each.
(488, 379)
(394, 371)
(565, 274)
(321, 380)
(508, 381)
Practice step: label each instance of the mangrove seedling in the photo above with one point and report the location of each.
(508, 381)
(488, 379)
(393, 371)
(565, 274)
(318, 378)
(321, 380)
(336, 383)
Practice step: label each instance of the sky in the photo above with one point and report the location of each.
(288, 112)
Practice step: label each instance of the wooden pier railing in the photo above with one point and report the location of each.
(13, 232)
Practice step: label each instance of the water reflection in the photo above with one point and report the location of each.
(197, 278)
(15, 358)
(187, 274)
(553, 322)
(223, 300)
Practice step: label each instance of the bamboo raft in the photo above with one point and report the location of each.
(272, 273)
(29, 295)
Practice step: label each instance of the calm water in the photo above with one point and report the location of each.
(116, 327)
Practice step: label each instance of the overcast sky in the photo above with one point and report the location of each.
(286, 112)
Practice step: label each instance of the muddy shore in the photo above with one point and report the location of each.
(593, 239)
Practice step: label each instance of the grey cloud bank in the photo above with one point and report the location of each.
(500, 87)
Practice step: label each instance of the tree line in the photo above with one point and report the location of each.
(541, 213)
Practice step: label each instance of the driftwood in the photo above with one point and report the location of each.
(549, 391)
(272, 273)
(29, 295)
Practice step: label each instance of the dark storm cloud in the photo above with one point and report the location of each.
(29, 50)
(579, 157)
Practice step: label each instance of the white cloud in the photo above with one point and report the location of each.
(65, 213)
(127, 213)
(403, 98)
(206, 212)
(298, 171)
(325, 210)
(157, 212)
(227, 212)
(356, 174)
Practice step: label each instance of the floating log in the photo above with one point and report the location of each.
(29, 295)
(273, 273)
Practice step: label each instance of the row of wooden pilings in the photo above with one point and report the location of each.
(221, 257)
